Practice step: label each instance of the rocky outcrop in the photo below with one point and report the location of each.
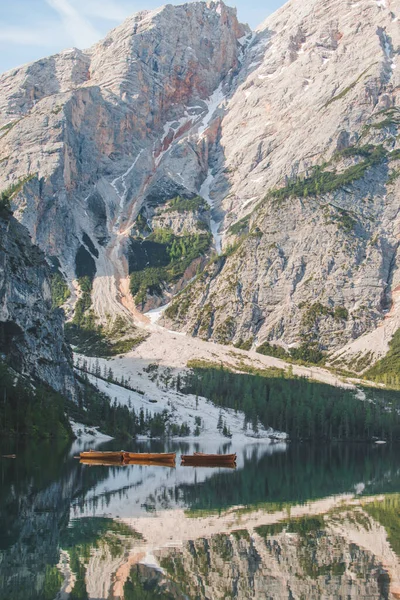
(107, 132)
(277, 561)
(319, 262)
(31, 331)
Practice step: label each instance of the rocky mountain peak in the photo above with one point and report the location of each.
(282, 133)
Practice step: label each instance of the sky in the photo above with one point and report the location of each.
(32, 29)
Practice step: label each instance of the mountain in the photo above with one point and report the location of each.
(31, 330)
(184, 134)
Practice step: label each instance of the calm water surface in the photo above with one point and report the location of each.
(293, 522)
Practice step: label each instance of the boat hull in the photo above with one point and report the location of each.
(106, 456)
(128, 457)
(215, 460)
(149, 457)
(92, 462)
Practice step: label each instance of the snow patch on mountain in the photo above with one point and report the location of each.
(185, 408)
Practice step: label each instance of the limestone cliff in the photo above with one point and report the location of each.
(288, 133)
(307, 178)
(31, 331)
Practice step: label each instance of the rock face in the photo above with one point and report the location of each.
(270, 564)
(185, 100)
(111, 133)
(31, 332)
(319, 262)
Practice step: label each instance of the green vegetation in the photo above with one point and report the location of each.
(303, 409)
(59, 290)
(121, 421)
(83, 535)
(139, 587)
(241, 534)
(141, 223)
(7, 127)
(341, 313)
(343, 219)
(30, 411)
(277, 483)
(179, 306)
(161, 259)
(303, 526)
(306, 353)
(95, 408)
(346, 90)
(391, 117)
(244, 344)
(181, 205)
(90, 531)
(225, 331)
(393, 176)
(387, 370)
(40, 412)
(387, 513)
(322, 181)
(8, 194)
(52, 583)
(276, 351)
(84, 316)
(314, 312)
(241, 226)
(96, 340)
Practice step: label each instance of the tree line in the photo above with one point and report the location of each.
(303, 409)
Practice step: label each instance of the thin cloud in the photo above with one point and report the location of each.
(108, 10)
(79, 29)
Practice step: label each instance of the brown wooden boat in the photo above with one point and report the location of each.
(130, 457)
(200, 459)
(149, 457)
(9, 456)
(105, 456)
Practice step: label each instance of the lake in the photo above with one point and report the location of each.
(291, 521)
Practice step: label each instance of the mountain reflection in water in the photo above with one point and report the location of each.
(290, 522)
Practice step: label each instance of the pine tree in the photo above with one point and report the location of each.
(220, 423)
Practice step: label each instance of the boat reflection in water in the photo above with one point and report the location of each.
(297, 523)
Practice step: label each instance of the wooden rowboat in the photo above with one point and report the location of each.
(216, 456)
(106, 456)
(131, 457)
(198, 458)
(149, 457)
